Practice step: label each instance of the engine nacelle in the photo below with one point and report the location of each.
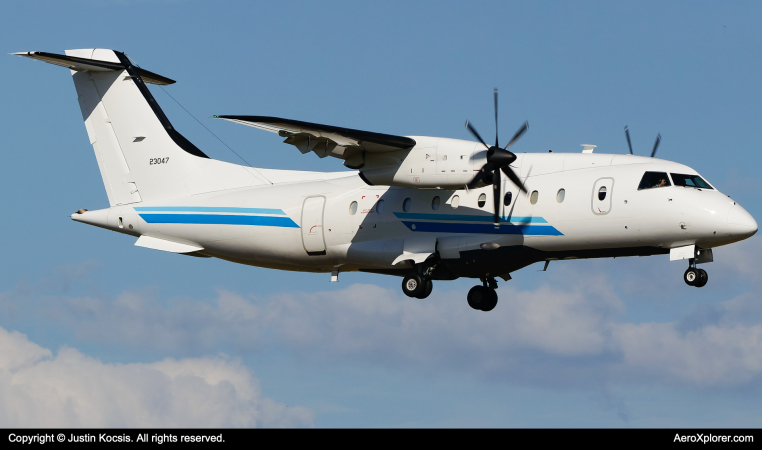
(433, 162)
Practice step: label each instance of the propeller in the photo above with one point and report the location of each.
(497, 159)
(629, 144)
(656, 145)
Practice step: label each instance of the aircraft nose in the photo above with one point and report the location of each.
(740, 222)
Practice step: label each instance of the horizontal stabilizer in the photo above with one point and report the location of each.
(93, 65)
(167, 245)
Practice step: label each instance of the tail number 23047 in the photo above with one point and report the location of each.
(155, 161)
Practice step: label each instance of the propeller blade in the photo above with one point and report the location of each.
(496, 141)
(627, 133)
(475, 133)
(656, 145)
(518, 134)
(477, 179)
(513, 177)
(496, 199)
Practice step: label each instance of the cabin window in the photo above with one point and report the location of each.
(482, 200)
(654, 180)
(602, 193)
(693, 181)
(353, 208)
(507, 199)
(455, 202)
(561, 196)
(435, 203)
(380, 206)
(406, 204)
(533, 198)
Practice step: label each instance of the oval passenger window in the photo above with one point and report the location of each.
(561, 196)
(507, 199)
(353, 208)
(380, 206)
(602, 193)
(482, 200)
(435, 203)
(533, 198)
(455, 201)
(406, 204)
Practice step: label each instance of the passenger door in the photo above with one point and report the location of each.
(312, 226)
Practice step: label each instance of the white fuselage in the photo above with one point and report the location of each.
(278, 227)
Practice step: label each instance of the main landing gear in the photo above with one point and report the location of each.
(694, 276)
(483, 298)
(417, 286)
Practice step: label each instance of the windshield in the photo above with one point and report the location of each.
(694, 181)
(654, 180)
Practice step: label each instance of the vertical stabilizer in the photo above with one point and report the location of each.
(140, 155)
(136, 154)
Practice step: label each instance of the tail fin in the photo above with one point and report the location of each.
(140, 155)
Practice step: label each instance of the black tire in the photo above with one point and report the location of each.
(413, 285)
(691, 276)
(491, 300)
(428, 286)
(476, 297)
(702, 279)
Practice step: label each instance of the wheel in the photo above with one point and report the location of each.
(691, 275)
(413, 285)
(703, 277)
(476, 297)
(491, 300)
(428, 285)
(482, 298)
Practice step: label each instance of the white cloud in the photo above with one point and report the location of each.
(568, 333)
(710, 355)
(70, 389)
(568, 336)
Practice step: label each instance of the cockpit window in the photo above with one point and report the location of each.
(654, 180)
(694, 181)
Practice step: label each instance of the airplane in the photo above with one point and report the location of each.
(421, 208)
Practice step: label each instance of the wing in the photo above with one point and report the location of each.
(326, 140)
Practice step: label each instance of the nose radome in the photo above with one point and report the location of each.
(740, 222)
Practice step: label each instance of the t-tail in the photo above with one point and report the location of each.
(140, 154)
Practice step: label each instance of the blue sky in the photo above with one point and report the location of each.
(124, 336)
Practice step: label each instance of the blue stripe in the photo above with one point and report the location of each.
(469, 218)
(478, 228)
(214, 209)
(220, 219)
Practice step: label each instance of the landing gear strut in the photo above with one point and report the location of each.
(483, 298)
(694, 276)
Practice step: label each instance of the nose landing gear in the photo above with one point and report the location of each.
(694, 276)
(483, 298)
